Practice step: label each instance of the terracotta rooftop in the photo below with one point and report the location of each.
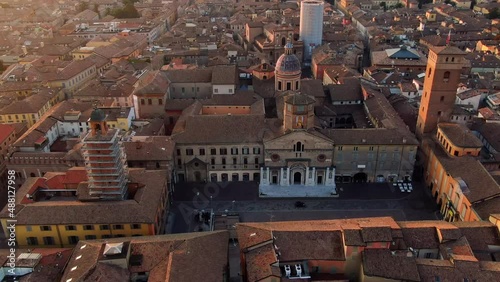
(173, 257)
(141, 209)
(459, 135)
(446, 50)
(381, 263)
(479, 182)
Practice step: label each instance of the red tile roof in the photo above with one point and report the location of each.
(5, 131)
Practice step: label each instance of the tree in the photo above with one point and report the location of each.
(472, 4)
(383, 5)
(127, 12)
(398, 6)
(82, 6)
(494, 14)
(96, 9)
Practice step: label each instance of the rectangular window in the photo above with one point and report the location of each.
(104, 227)
(223, 151)
(234, 151)
(371, 148)
(213, 151)
(32, 241)
(235, 161)
(256, 150)
(90, 237)
(150, 102)
(189, 152)
(29, 228)
(216, 90)
(73, 239)
(160, 101)
(88, 227)
(178, 152)
(202, 152)
(256, 160)
(245, 160)
(135, 226)
(355, 149)
(212, 161)
(118, 226)
(223, 161)
(70, 228)
(142, 102)
(245, 151)
(45, 228)
(105, 236)
(49, 241)
(339, 148)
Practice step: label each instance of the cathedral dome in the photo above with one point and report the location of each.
(288, 63)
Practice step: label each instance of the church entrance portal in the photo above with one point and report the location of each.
(360, 177)
(297, 178)
(197, 176)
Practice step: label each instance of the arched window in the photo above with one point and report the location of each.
(283, 41)
(452, 59)
(298, 147)
(447, 59)
(446, 76)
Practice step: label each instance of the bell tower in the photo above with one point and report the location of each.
(298, 111)
(442, 76)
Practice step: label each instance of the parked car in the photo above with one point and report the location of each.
(300, 204)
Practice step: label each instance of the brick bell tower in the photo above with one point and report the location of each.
(442, 77)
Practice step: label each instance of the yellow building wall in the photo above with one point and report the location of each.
(61, 235)
(441, 182)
